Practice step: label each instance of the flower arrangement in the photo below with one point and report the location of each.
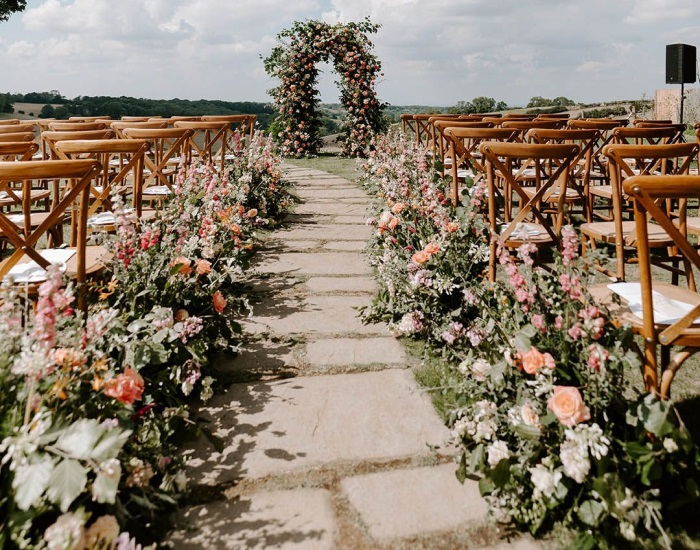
(536, 374)
(294, 62)
(95, 406)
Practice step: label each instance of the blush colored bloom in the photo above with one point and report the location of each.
(202, 267)
(420, 257)
(219, 301)
(431, 248)
(567, 405)
(534, 361)
(184, 263)
(125, 388)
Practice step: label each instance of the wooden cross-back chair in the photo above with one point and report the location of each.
(442, 145)
(463, 148)
(9, 121)
(18, 151)
(170, 149)
(599, 170)
(121, 162)
(28, 241)
(13, 128)
(408, 125)
(577, 190)
(208, 141)
(626, 161)
(16, 136)
(665, 315)
(422, 129)
(89, 118)
(120, 125)
(434, 136)
(63, 126)
(134, 118)
(551, 164)
(679, 128)
(240, 131)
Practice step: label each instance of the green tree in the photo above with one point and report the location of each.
(484, 104)
(563, 102)
(8, 7)
(47, 111)
(538, 101)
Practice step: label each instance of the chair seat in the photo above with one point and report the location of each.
(529, 233)
(571, 194)
(693, 224)
(605, 231)
(622, 312)
(35, 195)
(603, 191)
(462, 174)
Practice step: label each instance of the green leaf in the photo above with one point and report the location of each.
(104, 488)
(528, 432)
(501, 473)
(522, 342)
(161, 335)
(68, 480)
(80, 438)
(590, 512)
(109, 445)
(486, 486)
(30, 482)
(638, 451)
(461, 471)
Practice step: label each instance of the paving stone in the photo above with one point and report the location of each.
(281, 426)
(302, 519)
(312, 263)
(360, 220)
(524, 543)
(279, 245)
(330, 208)
(312, 315)
(319, 285)
(355, 351)
(329, 193)
(326, 232)
(357, 246)
(402, 503)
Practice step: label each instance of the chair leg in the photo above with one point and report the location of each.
(649, 367)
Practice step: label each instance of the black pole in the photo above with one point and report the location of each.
(682, 99)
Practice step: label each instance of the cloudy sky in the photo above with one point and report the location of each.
(434, 52)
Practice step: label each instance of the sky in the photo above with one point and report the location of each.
(433, 52)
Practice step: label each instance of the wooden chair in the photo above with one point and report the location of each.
(463, 148)
(13, 128)
(58, 126)
(9, 121)
(121, 162)
(627, 161)
(28, 241)
(241, 129)
(16, 136)
(441, 143)
(599, 170)
(18, 151)
(127, 118)
(664, 314)
(551, 164)
(120, 125)
(170, 149)
(89, 118)
(408, 125)
(208, 141)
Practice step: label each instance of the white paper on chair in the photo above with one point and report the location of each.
(666, 310)
(32, 272)
(103, 218)
(157, 190)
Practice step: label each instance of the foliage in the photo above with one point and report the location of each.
(94, 407)
(8, 7)
(294, 62)
(535, 368)
(605, 112)
(562, 102)
(479, 104)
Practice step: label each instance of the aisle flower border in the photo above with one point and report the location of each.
(294, 62)
(535, 371)
(94, 408)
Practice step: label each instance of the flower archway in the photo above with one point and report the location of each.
(294, 62)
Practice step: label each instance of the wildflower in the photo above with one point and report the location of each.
(544, 481)
(497, 451)
(202, 267)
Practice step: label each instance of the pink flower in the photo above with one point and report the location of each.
(183, 263)
(567, 405)
(538, 322)
(420, 257)
(534, 361)
(219, 301)
(203, 267)
(125, 388)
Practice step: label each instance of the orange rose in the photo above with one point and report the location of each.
(533, 361)
(184, 263)
(393, 223)
(219, 301)
(126, 388)
(567, 405)
(181, 315)
(452, 227)
(203, 267)
(398, 207)
(420, 257)
(431, 248)
(252, 212)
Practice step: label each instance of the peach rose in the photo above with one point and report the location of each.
(126, 388)
(567, 405)
(398, 207)
(202, 267)
(181, 315)
(431, 248)
(533, 361)
(452, 227)
(420, 257)
(393, 223)
(252, 212)
(184, 263)
(219, 301)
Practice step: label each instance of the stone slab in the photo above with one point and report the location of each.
(357, 246)
(312, 263)
(524, 543)
(355, 351)
(299, 519)
(330, 208)
(330, 193)
(360, 220)
(325, 232)
(280, 245)
(403, 503)
(277, 427)
(312, 315)
(320, 285)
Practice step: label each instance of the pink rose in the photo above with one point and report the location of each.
(184, 264)
(431, 248)
(534, 361)
(126, 388)
(202, 267)
(219, 301)
(567, 405)
(420, 257)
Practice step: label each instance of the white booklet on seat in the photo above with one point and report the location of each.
(666, 310)
(32, 272)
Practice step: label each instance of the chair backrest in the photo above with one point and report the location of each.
(50, 137)
(654, 135)
(119, 159)
(208, 141)
(17, 136)
(133, 118)
(89, 118)
(463, 145)
(18, 150)
(408, 125)
(13, 128)
(9, 121)
(169, 149)
(119, 125)
(440, 144)
(243, 124)
(58, 126)
(27, 241)
(525, 125)
(550, 165)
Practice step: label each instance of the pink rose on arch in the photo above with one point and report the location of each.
(567, 405)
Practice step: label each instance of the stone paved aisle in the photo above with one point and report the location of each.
(330, 444)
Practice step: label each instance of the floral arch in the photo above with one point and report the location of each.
(294, 62)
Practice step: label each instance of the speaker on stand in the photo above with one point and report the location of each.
(681, 67)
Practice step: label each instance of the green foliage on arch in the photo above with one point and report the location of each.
(294, 62)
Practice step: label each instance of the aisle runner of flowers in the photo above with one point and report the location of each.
(536, 377)
(93, 409)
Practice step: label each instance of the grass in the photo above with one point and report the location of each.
(328, 162)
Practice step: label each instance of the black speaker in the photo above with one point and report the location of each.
(680, 63)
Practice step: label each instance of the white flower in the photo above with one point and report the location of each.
(529, 416)
(574, 458)
(497, 451)
(544, 480)
(480, 369)
(627, 531)
(67, 533)
(670, 445)
(105, 486)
